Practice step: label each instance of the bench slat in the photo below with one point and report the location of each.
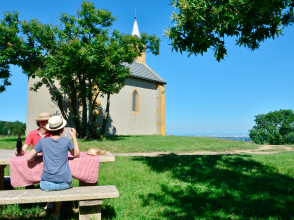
(72, 194)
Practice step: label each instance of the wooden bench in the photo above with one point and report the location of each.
(89, 197)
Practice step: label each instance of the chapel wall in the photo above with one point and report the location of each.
(121, 121)
(37, 102)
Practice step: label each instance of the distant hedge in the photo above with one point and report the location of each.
(274, 128)
(14, 127)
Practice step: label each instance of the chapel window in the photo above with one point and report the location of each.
(135, 101)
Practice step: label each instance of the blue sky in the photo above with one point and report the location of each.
(203, 97)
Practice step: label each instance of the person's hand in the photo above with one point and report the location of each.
(73, 132)
(15, 152)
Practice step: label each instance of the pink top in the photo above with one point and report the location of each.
(23, 173)
(34, 136)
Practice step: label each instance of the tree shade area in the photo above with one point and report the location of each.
(203, 24)
(14, 127)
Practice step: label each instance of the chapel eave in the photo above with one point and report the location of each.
(144, 72)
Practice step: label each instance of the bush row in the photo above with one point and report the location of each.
(14, 127)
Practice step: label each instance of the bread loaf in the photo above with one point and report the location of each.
(103, 152)
(93, 151)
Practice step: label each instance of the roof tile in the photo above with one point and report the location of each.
(139, 70)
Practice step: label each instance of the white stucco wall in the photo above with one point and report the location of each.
(121, 122)
(37, 102)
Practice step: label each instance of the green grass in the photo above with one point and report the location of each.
(152, 143)
(190, 187)
(9, 143)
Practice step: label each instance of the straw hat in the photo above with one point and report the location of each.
(55, 123)
(44, 116)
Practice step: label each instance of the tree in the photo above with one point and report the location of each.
(4, 76)
(203, 24)
(14, 127)
(18, 127)
(82, 55)
(274, 128)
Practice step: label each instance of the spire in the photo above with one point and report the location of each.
(135, 27)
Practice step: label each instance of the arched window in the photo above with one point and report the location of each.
(135, 101)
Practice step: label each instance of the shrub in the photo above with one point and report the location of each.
(274, 128)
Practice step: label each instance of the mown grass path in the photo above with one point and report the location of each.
(263, 149)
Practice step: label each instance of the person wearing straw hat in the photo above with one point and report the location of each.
(35, 135)
(56, 172)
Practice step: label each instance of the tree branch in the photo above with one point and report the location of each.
(59, 100)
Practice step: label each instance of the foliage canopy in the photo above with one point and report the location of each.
(274, 128)
(203, 24)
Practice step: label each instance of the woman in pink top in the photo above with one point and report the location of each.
(35, 135)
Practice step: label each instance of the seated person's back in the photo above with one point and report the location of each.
(56, 173)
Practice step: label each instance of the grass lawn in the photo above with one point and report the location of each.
(152, 143)
(189, 187)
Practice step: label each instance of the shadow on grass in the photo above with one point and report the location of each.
(108, 212)
(220, 187)
(36, 211)
(108, 138)
(116, 138)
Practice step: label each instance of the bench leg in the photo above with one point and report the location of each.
(7, 183)
(90, 210)
(2, 167)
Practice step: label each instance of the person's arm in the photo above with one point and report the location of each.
(25, 147)
(32, 155)
(76, 151)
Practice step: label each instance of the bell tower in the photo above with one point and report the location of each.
(141, 59)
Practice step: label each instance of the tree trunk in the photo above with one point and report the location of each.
(75, 108)
(84, 117)
(84, 104)
(91, 119)
(105, 119)
(91, 126)
(92, 107)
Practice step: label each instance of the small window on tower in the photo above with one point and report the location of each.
(135, 101)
